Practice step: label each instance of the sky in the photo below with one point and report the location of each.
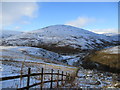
(99, 17)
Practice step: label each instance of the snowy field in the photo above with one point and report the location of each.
(16, 61)
(94, 79)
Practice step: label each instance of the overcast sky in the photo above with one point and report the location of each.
(100, 17)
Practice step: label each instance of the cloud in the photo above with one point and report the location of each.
(108, 30)
(80, 21)
(14, 11)
(25, 22)
(17, 27)
(84, 21)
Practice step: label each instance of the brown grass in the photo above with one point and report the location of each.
(59, 49)
(106, 61)
(111, 60)
(44, 65)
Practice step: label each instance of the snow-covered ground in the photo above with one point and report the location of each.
(94, 79)
(70, 59)
(85, 78)
(22, 53)
(113, 50)
(110, 34)
(17, 57)
(75, 59)
(8, 33)
(60, 36)
(16, 60)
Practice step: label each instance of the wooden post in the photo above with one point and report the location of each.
(28, 78)
(69, 77)
(51, 86)
(58, 79)
(66, 78)
(41, 78)
(62, 77)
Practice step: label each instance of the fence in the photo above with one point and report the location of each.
(67, 78)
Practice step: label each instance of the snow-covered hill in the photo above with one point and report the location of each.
(113, 36)
(60, 37)
(116, 38)
(110, 34)
(8, 33)
(17, 59)
(32, 54)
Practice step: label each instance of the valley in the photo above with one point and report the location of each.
(81, 53)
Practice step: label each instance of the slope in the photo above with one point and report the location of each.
(61, 38)
(17, 59)
(8, 33)
(106, 59)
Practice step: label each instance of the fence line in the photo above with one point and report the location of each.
(67, 75)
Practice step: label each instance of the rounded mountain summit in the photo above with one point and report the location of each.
(61, 39)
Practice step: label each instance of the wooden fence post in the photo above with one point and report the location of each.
(58, 79)
(62, 77)
(51, 86)
(28, 78)
(41, 78)
(66, 78)
(69, 77)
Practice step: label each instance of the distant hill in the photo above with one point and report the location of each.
(110, 34)
(61, 38)
(8, 33)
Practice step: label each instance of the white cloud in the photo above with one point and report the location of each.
(80, 21)
(25, 22)
(109, 30)
(13, 11)
(17, 27)
(84, 21)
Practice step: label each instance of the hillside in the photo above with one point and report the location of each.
(8, 33)
(61, 38)
(23, 53)
(17, 59)
(34, 49)
(110, 34)
(107, 59)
